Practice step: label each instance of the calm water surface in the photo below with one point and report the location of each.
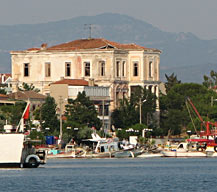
(161, 174)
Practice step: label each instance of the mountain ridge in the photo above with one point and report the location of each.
(179, 50)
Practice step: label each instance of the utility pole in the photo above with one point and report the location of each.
(140, 111)
(61, 123)
(103, 115)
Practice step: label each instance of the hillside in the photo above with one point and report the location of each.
(183, 53)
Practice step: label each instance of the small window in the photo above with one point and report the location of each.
(26, 69)
(150, 69)
(68, 69)
(118, 69)
(87, 69)
(102, 68)
(124, 68)
(106, 110)
(47, 69)
(135, 69)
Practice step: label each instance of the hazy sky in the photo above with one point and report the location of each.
(196, 16)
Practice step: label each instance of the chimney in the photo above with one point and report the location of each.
(44, 46)
(91, 82)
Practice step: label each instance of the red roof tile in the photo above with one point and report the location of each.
(33, 49)
(3, 96)
(83, 44)
(73, 82)
(93, 44)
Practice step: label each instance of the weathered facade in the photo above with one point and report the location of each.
(118, 66)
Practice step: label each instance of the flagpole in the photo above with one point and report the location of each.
(21, 122)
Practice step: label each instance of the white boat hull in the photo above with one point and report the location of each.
(150, 155)
(11, 146)
(183, 154)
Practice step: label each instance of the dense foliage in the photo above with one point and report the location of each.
(128, 113)
(175, 118)
(81, 112)
(171, 81)
(210, 81)
(49, 116)
(11, 113)
(27, 87)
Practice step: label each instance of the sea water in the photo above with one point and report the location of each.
(159, 174)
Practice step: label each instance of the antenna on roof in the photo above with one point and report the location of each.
(89, 27)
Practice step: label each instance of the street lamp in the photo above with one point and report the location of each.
(189, 133)
(140, 109)
(68, 130)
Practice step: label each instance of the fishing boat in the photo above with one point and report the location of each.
(101, 147)
(128, 153)
(16, 151)
(150, 155)
(183, 149)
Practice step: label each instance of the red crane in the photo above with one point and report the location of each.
(208, 135)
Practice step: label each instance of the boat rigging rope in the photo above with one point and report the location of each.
(191, 117)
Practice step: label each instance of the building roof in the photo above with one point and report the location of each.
(3, 96)
(24, 95)
(88, 44)
(72, 82)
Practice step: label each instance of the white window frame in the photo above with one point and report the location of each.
(83, 67)
(100, 68)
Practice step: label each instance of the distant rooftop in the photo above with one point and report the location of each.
(85, 44)
(72, 82)
(23, 95)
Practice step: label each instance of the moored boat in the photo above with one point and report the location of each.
(150, 155)
(183, 150)
(16, 151)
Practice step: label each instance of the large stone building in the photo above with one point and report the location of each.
(121, 67)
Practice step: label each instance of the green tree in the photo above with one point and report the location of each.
(81, 112)
(128, 113)
(210, 81)
(175, 118)
(49, 116)
(2, 91)
(27, 87)
(171, 81)
(11, 113)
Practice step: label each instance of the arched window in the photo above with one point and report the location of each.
(135, 69)
(102, 68)
(117, 68)
(67, 69)
(123, 68)
(26, 69)
(150, 68)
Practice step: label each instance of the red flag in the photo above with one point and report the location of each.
(26, 114)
